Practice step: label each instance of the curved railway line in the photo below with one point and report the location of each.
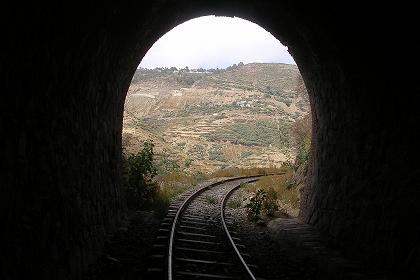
(194, 241)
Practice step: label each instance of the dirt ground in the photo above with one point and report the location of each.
(126, 253)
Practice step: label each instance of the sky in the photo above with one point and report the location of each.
(215, 42)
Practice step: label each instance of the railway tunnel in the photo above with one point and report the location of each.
(65, 70)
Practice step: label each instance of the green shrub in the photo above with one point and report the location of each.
(216, 153)
(166, 164)
(138, 176)
(255, 204)
(270, 203)
(197, 151)
(187, 163)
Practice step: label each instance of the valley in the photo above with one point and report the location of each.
(205, 120)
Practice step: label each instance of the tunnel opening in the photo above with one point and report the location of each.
(180, 110)
(61, 185)
(211, 120)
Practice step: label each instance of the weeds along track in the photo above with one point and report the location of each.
(194, 241)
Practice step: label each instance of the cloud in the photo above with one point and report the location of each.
(215, 42)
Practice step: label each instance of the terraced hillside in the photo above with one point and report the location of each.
(203, 120)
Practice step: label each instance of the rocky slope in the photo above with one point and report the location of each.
(203, 120)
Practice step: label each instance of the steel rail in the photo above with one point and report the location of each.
(185, 203)
(222, 214)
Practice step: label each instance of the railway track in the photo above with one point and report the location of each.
(194, 241)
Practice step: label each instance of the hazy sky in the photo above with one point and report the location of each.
(215, 42)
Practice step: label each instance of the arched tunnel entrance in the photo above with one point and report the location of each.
(65, 73)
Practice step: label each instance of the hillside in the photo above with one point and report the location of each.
(203, 120)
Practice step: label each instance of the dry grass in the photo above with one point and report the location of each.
(233, 172)
(175, 182)
(281, 185)
(171, 185)
(177, 177)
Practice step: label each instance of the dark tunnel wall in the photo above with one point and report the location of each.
(65, 71)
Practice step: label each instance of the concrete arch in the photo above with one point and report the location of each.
(66, 70)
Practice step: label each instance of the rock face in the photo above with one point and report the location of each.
(300, 178)
(65, 70)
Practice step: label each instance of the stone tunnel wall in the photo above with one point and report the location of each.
(61, 116)
(362, 193)
(65, 70)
